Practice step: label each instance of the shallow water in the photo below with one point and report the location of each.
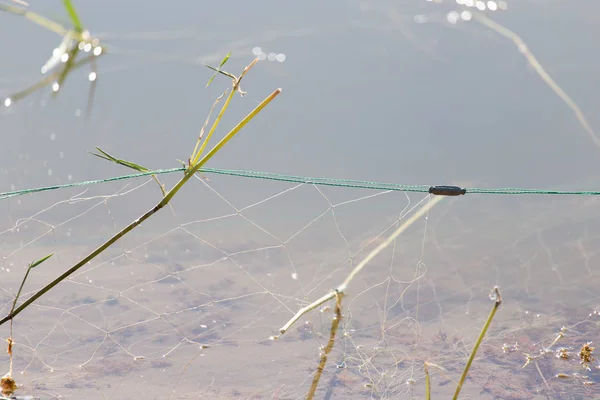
(139, 314)
(230, 263)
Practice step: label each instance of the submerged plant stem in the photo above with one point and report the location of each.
(497, 302)
(427, 383)
(334, 327)
(342, 288)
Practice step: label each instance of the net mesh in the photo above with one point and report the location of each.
(188, 309)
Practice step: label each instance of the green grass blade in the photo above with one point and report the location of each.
(29, 268)
(41, 260)
(73, 14)
(128, 164)
(497, 301)
(125, 163)
(218, 70)
(225, 60)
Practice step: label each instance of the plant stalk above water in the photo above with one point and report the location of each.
(189, 172)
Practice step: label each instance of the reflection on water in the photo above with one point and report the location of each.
(184, 306)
